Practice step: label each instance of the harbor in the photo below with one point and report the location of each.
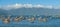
(37, 21)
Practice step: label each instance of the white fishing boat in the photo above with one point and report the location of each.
(40, 19)
(17, 19)
(6, 20)
(44, 19)
(31, 19)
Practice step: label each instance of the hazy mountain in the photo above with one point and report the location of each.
(30, 11)
(3, 12)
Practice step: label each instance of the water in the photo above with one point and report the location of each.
(25, 23)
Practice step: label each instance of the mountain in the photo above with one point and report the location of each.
(3, 12)
(30, 11)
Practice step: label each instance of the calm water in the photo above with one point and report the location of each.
(25, 23)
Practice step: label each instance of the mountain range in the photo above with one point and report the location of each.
(30, 11)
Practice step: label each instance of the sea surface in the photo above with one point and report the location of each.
(54, 22)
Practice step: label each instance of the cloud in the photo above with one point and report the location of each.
(38, 6)
(57, 7)
(26, 6)
(12, 6)
(0, 6)
(49, 6)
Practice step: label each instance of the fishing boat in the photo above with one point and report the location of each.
(42, 19)
(17, 19)
(6, 20)
(31, 20)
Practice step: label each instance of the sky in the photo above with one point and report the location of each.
(44, 2)
(27, 3)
